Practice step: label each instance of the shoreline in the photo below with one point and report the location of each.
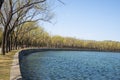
(32, 50)
(15, 72)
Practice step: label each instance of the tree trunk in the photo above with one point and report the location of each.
(3, 43)
(7, 42)
(16, 43)
(9, 45)
(1, 2)
(11, 41)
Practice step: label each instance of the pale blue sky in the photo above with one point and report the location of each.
(87, 19)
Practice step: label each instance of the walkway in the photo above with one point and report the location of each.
(15, 70)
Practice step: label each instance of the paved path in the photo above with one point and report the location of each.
(15, 70)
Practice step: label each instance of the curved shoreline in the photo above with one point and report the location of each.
(15, 73)
(33, 50)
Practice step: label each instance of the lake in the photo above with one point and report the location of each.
(71, 65)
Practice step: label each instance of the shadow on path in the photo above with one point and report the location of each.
(19, 79)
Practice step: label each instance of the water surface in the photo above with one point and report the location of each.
(71, 65)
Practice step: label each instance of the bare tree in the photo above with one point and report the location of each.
(17, 12)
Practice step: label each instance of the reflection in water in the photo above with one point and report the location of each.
(71, 65)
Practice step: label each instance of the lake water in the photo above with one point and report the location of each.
(71, 65)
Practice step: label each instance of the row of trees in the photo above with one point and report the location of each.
(14, 14)
(32, 35)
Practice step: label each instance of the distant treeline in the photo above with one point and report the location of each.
(32, 35)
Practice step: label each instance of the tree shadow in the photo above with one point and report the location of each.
(19, 79)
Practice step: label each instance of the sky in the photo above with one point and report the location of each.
(86, 19)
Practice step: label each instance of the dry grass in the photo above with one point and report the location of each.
(5, 64)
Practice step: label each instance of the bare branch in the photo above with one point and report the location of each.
(28, 4)
(61, 2)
